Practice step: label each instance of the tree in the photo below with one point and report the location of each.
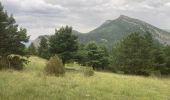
(43, 49)
(32, 50)
(81, 55)
(104, 57)
(133, 54)
(166, 69)
(11, 37)
(97, 56)
(64, 44)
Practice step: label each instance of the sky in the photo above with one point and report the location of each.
(42, 17)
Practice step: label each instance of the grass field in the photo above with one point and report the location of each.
(32, 84)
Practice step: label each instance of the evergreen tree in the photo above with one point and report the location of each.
(81, 55)
(32, 50)
(104, 57)
(11, 37)
(133, 54)
(166, 69)
(43, 49)
(64, 43)
(97, 56)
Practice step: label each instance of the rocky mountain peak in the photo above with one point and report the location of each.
(124, 17)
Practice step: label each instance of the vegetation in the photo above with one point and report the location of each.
(31, 83)
(133, 55)
(138, 54)
(11, 38)
(55, 66)
(97, 56)
(88, 71)
(64, 44)
(32, 50)
(112, 31)
(43, 49)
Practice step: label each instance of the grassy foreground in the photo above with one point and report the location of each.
(32, 84)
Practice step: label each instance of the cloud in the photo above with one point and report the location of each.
(43, 16)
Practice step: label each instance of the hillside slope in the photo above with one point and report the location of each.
(32, 84)
(114, 30)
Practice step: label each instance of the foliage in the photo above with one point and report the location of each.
(97, 56)
(166, 69)
(11, 37)
(43, 49)
(55, 66)
(81, 55)
(133, 54)
(64, 44)
(13, 62)
(17, 62)
(32, 50)
(88, 71)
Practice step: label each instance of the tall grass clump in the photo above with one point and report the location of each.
(88, 71)
(55, 67)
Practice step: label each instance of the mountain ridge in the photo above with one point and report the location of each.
(111, 31)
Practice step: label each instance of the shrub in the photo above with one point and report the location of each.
(88, 71)
(55, 66)
(12, 61)
(17, 62)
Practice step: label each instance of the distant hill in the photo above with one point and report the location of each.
(37, 41)
(114, 30)
(111, 31)
(168, 30)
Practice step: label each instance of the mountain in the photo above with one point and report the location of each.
(111, 31)
(37, 41)
(167, 30)
(114, 30)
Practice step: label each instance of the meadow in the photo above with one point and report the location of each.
(33, 84)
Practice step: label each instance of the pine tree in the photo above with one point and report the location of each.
(64, 44)
(43, 49)
(97, 56)
(166, 69)
(32, 50)
(133, 54)
(12, 38)
(81, 55)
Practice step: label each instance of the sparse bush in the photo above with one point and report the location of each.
(88, 71)
(13, 62)
(17, 62)
(55, 66)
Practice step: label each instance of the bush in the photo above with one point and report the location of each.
(88, 71)
(17, 62)
(55, 66)
(12, 61)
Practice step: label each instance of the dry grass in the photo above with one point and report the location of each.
(32, 84)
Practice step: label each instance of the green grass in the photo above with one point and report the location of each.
(32, 84)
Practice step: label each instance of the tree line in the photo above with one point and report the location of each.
(64, 44)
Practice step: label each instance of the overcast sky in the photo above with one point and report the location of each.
(43, 16)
